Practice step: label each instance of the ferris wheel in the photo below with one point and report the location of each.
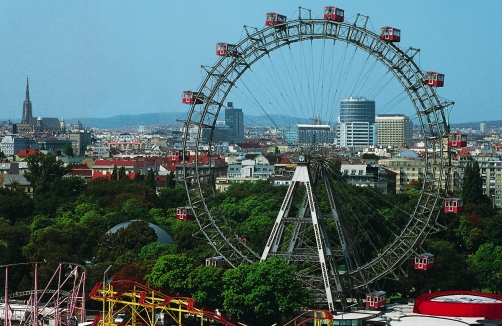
(329, 262)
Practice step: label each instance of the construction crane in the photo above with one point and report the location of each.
(316, 119)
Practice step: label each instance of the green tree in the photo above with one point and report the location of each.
(122, 173)
(114, 176)
(370, 156)
(155, 250)
(206, 286)
(61, 191)
(470, 231)
(91, 216)
(124, 241)
(194, 247)
(170, 272)
(173, 197)
(337, 167)
(138, 177)
(134, 209)
(472, 184)
(15, 205)
(111, 195)
(41, 222)
(487, 262)
(135, 272)
(16, 237)
(150, 179)
(493, 227)
(43, 170)
(263, 292)
(62, 242)
(4, 252)
(449, 272)
(68, 150)
(171, 180)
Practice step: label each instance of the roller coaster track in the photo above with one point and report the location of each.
(144, 306)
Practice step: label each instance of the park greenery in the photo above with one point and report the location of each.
(67, 220)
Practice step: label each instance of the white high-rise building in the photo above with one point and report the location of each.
(394, 130)
(356, 124)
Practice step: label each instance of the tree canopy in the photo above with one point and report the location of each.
(68, 220)
(264, 292)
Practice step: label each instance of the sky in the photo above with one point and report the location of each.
(105, 58)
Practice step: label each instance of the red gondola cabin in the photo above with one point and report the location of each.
(333, 13)
(275, 19)
(185, 213)
(190, 97)
(376, 299)
(457, 140)
(217, 261)
(453, 205)
(424, 262)
(434, 79)
(390, 34)
(222, 49)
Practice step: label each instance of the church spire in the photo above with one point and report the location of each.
(27, 110)
(27, 89)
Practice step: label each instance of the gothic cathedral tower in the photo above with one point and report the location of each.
(27, 112)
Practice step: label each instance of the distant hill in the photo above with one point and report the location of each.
(494, 124)
(171, 118)
(124, 120)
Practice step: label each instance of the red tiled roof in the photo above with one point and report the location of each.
(115, 162)
(389, 172)
(286, 160)
(170, 166)
(80, 166)
(27, 152)
(107, 175)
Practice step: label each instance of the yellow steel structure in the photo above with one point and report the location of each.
(128, 303)
(313, 317)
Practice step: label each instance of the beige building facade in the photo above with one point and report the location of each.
(394, 130)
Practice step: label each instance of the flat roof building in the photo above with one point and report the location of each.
(394, 130)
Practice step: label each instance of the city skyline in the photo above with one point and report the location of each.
(53, 123)
(91, 59)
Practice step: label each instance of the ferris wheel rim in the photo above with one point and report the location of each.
(428, 107)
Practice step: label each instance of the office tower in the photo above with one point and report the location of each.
(314, 134)
(234, 119)
(394, 130)
(356, 124)
(27, 111)
(80, 138)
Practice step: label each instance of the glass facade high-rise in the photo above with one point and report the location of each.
(356, 124)
(234, 119)
(357, 109)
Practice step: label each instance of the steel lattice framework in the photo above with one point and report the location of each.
(64, 305)
(144, 306)
(429, 109)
